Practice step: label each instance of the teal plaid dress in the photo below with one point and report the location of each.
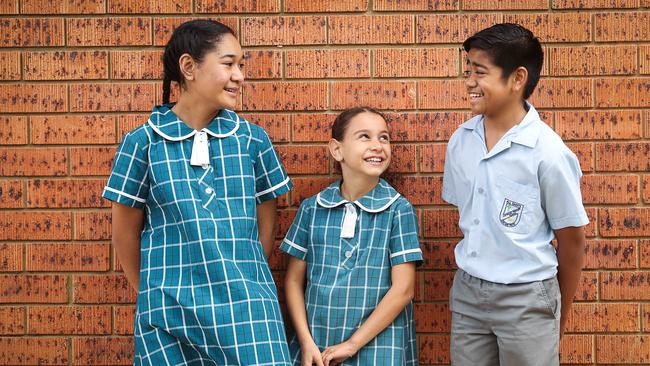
(348, 277)
(206, 293)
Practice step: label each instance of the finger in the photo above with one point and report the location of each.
(318, 360)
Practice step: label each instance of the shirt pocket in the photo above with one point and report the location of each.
(514, 206)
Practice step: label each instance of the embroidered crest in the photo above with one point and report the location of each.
(510, 213)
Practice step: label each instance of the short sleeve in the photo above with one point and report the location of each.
(448, 182)
(296, 242)
(560, 191)
(271, 180)
(404, 244)
(128, 183)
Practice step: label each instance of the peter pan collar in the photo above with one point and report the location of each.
(377, 200)
(525, 133)
(165, 123)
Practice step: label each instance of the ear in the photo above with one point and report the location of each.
(335, 150)
(519, 78)
(187, 64)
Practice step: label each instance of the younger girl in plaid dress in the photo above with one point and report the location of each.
(356, 245)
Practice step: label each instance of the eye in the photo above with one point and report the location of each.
(384, 138)
(364, 136)
(466, 73)
(241, 66)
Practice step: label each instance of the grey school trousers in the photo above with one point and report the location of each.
(508, 325)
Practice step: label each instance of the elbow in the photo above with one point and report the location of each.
(406, 293)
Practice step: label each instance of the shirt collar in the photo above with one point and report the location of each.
(377, 200)
(525, 133)
(167, 124)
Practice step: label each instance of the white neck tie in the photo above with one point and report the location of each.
(200, 150)
(349, 221)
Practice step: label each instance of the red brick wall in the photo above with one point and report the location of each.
(74, 79)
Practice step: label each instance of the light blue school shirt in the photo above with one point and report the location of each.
(348, 277)
(511, 199)
(206, 294)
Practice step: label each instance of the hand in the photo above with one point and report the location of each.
(336, 354)
(310, 355)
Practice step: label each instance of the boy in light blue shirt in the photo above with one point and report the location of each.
(517, 187)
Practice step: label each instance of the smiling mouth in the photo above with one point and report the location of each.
(475, 96)
(374, 160)
(231, 90)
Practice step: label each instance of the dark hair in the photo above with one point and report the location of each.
(509, 47)
(194, 37)
(343, 120)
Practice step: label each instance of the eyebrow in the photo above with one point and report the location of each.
(367, 131)
(474, 63)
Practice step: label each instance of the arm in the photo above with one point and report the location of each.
(127, 223)
(294, 288)
(570, 252)
(266, 215)
(391, 305)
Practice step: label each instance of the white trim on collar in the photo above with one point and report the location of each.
(180, 138)
(382, 208)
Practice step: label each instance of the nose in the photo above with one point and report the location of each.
(237, 75)
(470, 82)
(376, 145)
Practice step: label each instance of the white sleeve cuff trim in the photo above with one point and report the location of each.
(408, 251)
(284, 182)
(294, 245)
(125, 194)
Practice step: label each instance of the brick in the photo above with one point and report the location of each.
(624, 222)
(644, 253)
(414, 5)
(376, 94)
(592, 60)
(123, 320)
(31, 225)
(308, 64)
(73, 129)
(610, 254)
(432, 158)
(34, 351)
(304, 188)
(236, 6)
(603, 318)
(111, 97)
(316, 6)
(312, 127)
(91, 160)
(633, 156)
(12, 320)
(440, 224)
(276, 125)
(454, 91)
(11, 257)
(645, 188)
(283, 96)
(452, 28)
(9, 7)
(403, 159)
(432, 318)
(438, 255)
(434, 349)
(149, 6)
(47, 193)
(592, 125)
(585, 154)
(92, 225)
(13, 130)
(555, 27)
(604, 189)
(29, 32)
(420, 62)
(371, 29)
(12, 194)
(163, 27)
(285, 219)
(10, 65)
(263, 64)
(271, 30)
(17, 98)
(129, 122)
(619, 26)
(135, 65)
(112, 31)
(587, 287)
(591, 230)
(625, 285)
(437, 285)
(562, 93)
(278, 259)
(68, 257)
(65, 65)
(505, 5)
(69, 319)
(62, 7)
(102, 289)
(424, 126)
(644, 60)
(576, 349)
(420, 190)
(623, 349)
(645, 317)
(295, 158)
(102, 351)
(28, 288)
(620, 92)
(594, 4)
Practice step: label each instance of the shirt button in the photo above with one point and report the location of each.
(480, 190)
(206, 166)
(476, 221)
(348, 254)
(208, 190)
(472, 254)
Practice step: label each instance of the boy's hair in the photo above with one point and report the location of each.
(194, 37)
(509, 47)
(343, 120)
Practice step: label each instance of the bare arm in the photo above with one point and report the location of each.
(570, 253)
(266, 215)
(400, 294)
(127, 226)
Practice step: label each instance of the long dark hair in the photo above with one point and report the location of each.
(194, 37)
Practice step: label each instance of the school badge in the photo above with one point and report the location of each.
(510, 213)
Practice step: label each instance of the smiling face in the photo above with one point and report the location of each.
(489, 93)
(365, 147)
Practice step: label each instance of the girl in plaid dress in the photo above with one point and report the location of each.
(194, 191)
(356, 245)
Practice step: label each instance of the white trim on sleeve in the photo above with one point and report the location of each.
(284, 182)
(408, 251)
(125, 194)
(294, 245)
